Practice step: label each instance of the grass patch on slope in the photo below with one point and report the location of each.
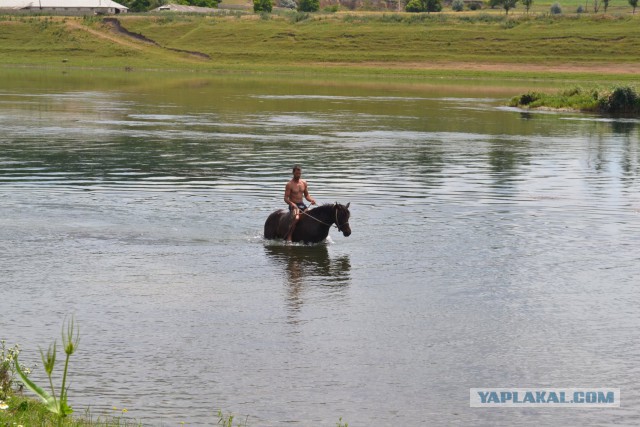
(346, 38)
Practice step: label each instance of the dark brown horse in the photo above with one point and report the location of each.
(313, 226)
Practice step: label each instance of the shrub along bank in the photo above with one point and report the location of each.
(620, 100)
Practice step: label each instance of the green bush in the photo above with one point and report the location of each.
(526, 99)
(414, 6)
(309, 5)
(556, 9)
(572, 91)
(262, 6)
(299, 16)
(618, 100)
(621, 100)
(424, 6)
(457, 5)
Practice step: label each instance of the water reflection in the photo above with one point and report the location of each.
(525, 115)
(306, 266)
(623, 127)
(506, 159)
(503, 160)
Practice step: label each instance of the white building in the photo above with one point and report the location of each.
(63, 7)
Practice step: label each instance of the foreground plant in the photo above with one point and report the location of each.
(57, 405)
(7, 369)
(227, 420)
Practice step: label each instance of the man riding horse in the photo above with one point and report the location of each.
(294, 191)
(308, 227)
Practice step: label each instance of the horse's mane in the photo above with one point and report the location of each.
(326, 206)
(321, 209)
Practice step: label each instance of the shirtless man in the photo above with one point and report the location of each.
(293, 193)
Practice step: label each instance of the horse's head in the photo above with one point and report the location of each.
(342, 215)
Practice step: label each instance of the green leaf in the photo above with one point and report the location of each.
(65, 409)
(46, 397)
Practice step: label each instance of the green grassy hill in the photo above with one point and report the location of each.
(464, 44)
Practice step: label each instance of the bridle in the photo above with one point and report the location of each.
(338, 226)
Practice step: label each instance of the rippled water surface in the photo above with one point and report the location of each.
(490, 248)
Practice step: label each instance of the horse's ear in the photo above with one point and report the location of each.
(348, 205)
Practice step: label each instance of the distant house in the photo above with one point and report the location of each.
(184, 8)
(181, 8)
(63, 7)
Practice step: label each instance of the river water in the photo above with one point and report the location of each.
(490, 248)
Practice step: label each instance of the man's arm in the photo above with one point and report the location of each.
(306, 194)
(287, 195)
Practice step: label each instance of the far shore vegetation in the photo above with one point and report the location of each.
(620, 100)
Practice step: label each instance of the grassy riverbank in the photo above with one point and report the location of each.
(468, 45)
(622, 100)
(25, 411)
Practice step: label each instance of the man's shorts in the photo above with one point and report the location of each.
(301, 206)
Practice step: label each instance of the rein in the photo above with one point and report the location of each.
(339, 227)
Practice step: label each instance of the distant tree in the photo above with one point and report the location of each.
(141, 5)
(199, 3)
(634, 4)
(423, 6)
(308, 5)
(138, 5)
(262, 6)
(605, 3)
(457, 5)
(414, 6)
(596, 6)
(556, 9)
(527, 5)
(508, 4)
(433, 5)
